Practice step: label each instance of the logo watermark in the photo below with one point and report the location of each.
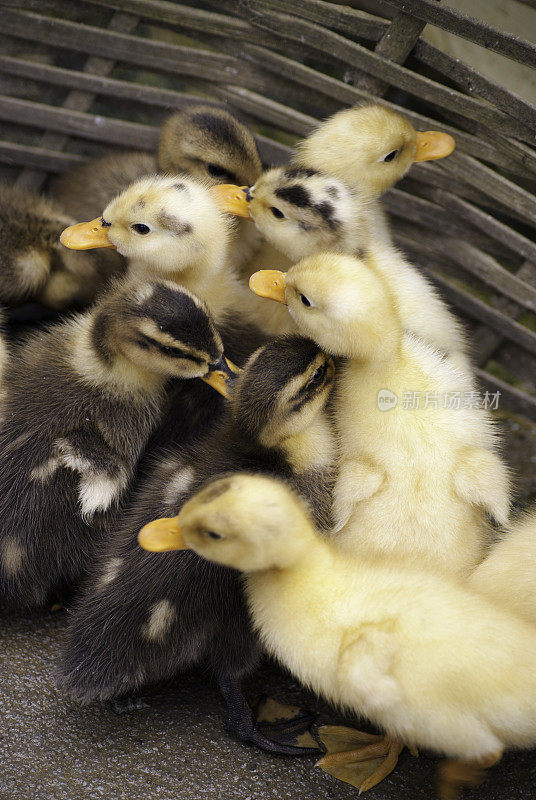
(414, 401)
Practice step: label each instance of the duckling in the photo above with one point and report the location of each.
(369, 147)
(302, 212)
(372, 636)
(202, 141)
(172, 227)
(33, 264)
(144, 618)
(82, 400)
(418, 468)
(508, 573)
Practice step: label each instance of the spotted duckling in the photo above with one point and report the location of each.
(33, 264)
(425, 658)
(171, 227)
(82, 400)
(144, 618)
(302, 212)
(202, 141)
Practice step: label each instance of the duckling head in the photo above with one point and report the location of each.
(341, 302)
(301, 211)
(209, 144)
(167, 225)
(159, 327)
(370, 146)
(284, 386)
(249, 522)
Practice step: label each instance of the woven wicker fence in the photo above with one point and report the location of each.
(78, 78)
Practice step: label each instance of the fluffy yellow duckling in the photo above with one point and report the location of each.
(372, 636)
(370, 147)
(201, 141)
(301, 212)
(418, 471)
(169, 227)
(508, 573)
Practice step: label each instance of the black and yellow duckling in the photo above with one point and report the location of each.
(143, 617)
(33, 264)
(82, 400)
(202, 141)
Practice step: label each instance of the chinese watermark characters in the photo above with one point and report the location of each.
(454, 400)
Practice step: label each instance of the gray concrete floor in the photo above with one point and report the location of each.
(175, 748)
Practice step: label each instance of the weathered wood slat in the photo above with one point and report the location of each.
(37, 157)
(293, 28)
(473, 82)
(514, 399)
(490, 37)
(76, 123)
(76, 100)
(110, 87)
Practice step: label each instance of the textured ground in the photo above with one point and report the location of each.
(175, 748)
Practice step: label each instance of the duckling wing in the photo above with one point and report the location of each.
(358, 480)
(481, 478)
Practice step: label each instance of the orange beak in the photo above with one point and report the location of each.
(432, 145)
(269, 283)
(223, 374)
(232, 199)
(162, 535)
(86, 236)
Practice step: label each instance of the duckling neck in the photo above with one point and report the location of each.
(311, 448)
(116, 374)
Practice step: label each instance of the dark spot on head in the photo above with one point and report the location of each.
(332, 191)
(326, 211)
(306, 226)
(181, 187)
(214, 490)
(296, 194)
(176, 313)
(219, 128)
(139, 204)
(173, 224)
(300, 172)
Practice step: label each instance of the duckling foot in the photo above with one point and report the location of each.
(241, 723)
(361, 759)
(453, 775)
(284, 723)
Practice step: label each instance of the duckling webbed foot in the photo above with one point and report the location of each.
(454, 774)
(358, 758)
(285, 724)
(242, 724)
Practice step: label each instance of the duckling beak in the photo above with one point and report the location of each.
(432, 145)
(232, 199)
(223, 373)
(269, 283)
(161, 535)
(86, 236)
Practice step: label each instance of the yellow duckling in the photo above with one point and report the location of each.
(374, 637)
(171, 227)
(508, 573)
(418, 471)
(201, 141)
(301, 212)
(370, 147)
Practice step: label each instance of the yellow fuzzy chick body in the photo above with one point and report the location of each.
(508, 573)
(431, 662)
(414, 482)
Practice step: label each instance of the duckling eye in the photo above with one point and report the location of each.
(213, 535)
(215, 171)
(305, 300)
(318, 376)
(140, 228)
(390, 156)
(276, 212)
